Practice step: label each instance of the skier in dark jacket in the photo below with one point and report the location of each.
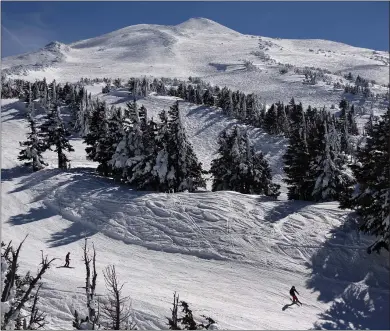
(294, 297)
(67, 259)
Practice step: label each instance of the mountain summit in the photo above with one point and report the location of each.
(197, 47)
(205, 25)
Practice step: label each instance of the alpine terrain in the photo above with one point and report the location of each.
(207, 171)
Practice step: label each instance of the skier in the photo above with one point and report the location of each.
(294, 297)
(67, 259)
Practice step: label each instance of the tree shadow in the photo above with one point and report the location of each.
(14, 173)
(33, 215)
(357, 309)
(284, 209)
(358, 283)
(36, 178)
(75, 232)
(213, 116)
(19, 112)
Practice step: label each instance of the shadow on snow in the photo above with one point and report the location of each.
(355, 282)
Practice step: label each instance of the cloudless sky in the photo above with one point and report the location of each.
(27, 26)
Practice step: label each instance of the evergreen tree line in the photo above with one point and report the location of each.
(317, 156)
(319, 168)
(277, 120)
(52, 134)
(247, 108)
(137, 150)
(129, 146)
(371, 196)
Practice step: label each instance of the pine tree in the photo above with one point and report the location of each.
(271, 120)
(30, 103)
(160, 169)
(208, 98)
(33, 148)
(98, 140)
(328, 169)
(55, 134)
(144, 175)
(129, 151)
(239, 168)
(297, 158)
(371, 198)
(184, 169)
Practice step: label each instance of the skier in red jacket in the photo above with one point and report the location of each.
(294, 297)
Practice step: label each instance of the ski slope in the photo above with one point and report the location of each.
(233, 257)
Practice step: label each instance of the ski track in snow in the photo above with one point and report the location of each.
(231, 256)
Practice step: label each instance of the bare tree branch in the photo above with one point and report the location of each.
(118, 309)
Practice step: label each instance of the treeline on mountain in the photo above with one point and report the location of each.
(128, 145)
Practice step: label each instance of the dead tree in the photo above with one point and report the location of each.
(8, 296)
(117, 310)
(172, 322)
(37, 318)
(92, 319)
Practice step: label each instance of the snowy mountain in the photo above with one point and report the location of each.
(202, 48)
(232, 256)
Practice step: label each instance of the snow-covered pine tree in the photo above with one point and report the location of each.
(239, 168)
(208, 98)
(243, 112)
(352, 125)
(55, 134)
(297, 157)
(262, 177)
(98, 140)
(328, 170)
(30, 103)
(271, 120)
(371, 198)
(161, 89)
(54, 98)
(144, 87)
(144, 174)
(198, 95)
(34, 147)
(184, 169)
(129, 150)
(223, 167)
(35, 91)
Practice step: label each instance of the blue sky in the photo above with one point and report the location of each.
(28, 26)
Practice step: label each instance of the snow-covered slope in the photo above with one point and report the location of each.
(231, 256)
(203, 48)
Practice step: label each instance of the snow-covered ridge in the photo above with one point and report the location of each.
(197, 47)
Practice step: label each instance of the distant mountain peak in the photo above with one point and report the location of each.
(53, 44)
(200, 24)
(56, 46)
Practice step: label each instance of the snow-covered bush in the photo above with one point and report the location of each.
(186, 321)
(249, 65)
